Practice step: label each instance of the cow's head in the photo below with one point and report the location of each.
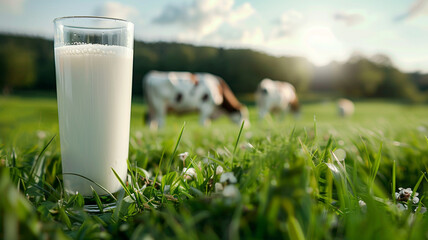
(239, 116)
(233, 108)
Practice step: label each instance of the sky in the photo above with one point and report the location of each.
(322, 30)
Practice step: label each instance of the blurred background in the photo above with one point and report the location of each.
(327, 49)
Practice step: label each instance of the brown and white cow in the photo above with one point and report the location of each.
(276, 96)
(183, 92)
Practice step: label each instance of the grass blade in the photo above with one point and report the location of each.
(393, 182)
(175, 148)
(97, 200)
(239, 137)
(376, 165)
(123, 185)
(39, 157)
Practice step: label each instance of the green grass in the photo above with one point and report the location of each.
(291, 180)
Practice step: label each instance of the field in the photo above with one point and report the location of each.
(316, 176)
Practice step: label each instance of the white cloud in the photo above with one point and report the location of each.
(241, 13)
(116, 10)
(203, 17)
(252, 37)
(419, 7)
(350, 19)
(12, 6)
(288, 23)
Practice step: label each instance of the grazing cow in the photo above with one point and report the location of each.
(183, 92)
(345, 107)
(276, 96)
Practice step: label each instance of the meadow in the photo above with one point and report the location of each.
(317, 176)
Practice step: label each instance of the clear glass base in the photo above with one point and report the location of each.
(93, 208)
(108, 203)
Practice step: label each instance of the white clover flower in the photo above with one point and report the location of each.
(189, 173)
(218, 187)
(41, 134)
(405, 194)
(219, 170)
(231, 191)
(423, 210)
(401, 206)
(415, 199)
(183, 156)
(228, 177)
(363, 206)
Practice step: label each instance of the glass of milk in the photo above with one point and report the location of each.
(93, 61)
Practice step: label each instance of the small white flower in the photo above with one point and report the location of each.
(401, 207)
(218, 187)
(231, 191)
(183, 156)
(219, 170)
(138, 134)
(41, 134)
(405, 194)
(189, 173)
(228, 177)
(423, 210)
(363, 206)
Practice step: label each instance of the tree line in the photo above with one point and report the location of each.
(27, 63)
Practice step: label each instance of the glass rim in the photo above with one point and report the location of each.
(59, 19)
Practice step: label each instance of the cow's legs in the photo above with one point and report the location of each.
(204, 114)
(157, 113)
(283, 113)
(160, 116)
(262, 113)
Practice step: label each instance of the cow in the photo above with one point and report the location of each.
(183, 92)
(276, 96)
(345, 107)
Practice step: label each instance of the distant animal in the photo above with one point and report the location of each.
(345, 107)
(276, 96)
(183, 92)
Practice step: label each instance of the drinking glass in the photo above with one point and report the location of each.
(93, 62)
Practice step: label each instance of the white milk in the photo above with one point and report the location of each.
(94, 102)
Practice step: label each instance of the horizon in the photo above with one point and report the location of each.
(322, 33)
